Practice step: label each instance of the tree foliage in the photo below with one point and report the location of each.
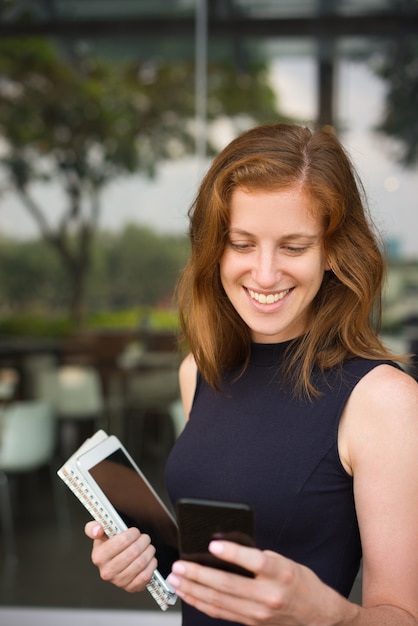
(81, 122)
(399, 68)
(133, 268)
(31, 278)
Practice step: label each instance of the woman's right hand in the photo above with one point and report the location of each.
(127, 559)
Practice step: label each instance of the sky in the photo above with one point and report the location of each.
(163, 203)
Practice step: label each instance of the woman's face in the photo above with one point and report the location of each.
(274, 262)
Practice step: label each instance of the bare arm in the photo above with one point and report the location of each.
(187, 378)
(380, 434)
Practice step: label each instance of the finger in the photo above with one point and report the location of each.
(93, 530)
(262, 563)
(217, 593)
(131, 566)
(137, 574)
(120, 549)
(251, 559)
(186, 574)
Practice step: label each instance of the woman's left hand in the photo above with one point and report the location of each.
(281, 592)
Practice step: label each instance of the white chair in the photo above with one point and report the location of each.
(177, 416)
(33, 367)
(76, 395)
(153, 390)
(150, 394)
(9, 380)
(27, 443)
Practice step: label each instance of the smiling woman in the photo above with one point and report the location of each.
(290, 183)
(274, 262)
(293, 404)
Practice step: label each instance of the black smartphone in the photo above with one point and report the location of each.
(201, 521)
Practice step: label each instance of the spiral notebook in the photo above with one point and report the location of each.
(107, 481)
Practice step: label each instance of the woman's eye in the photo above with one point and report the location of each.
(240, 245)
(295, 249)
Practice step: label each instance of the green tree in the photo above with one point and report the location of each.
(137, 267)
(31, 278)
(82, 122)
(131, 268)
(399, 68)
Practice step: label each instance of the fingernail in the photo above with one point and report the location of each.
(96, 529)
(173, 580)
(178, 568)
(216, 547)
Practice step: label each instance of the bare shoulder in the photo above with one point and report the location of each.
(382, 411)
(387, 388)
(187, 379)
(188, 367)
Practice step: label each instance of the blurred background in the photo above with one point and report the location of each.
(110, 113)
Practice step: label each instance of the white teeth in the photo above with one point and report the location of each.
(272, 297)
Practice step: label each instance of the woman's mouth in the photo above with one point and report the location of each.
(270, 298)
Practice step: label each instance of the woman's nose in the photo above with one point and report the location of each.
(266, 271)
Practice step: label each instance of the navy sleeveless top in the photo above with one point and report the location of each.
(257, 443)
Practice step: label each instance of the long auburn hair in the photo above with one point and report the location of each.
(346, 312)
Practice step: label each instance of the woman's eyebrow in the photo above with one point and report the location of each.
(286, 237)
(304, 236)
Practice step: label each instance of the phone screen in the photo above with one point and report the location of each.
(137, 505)
(201, 521)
